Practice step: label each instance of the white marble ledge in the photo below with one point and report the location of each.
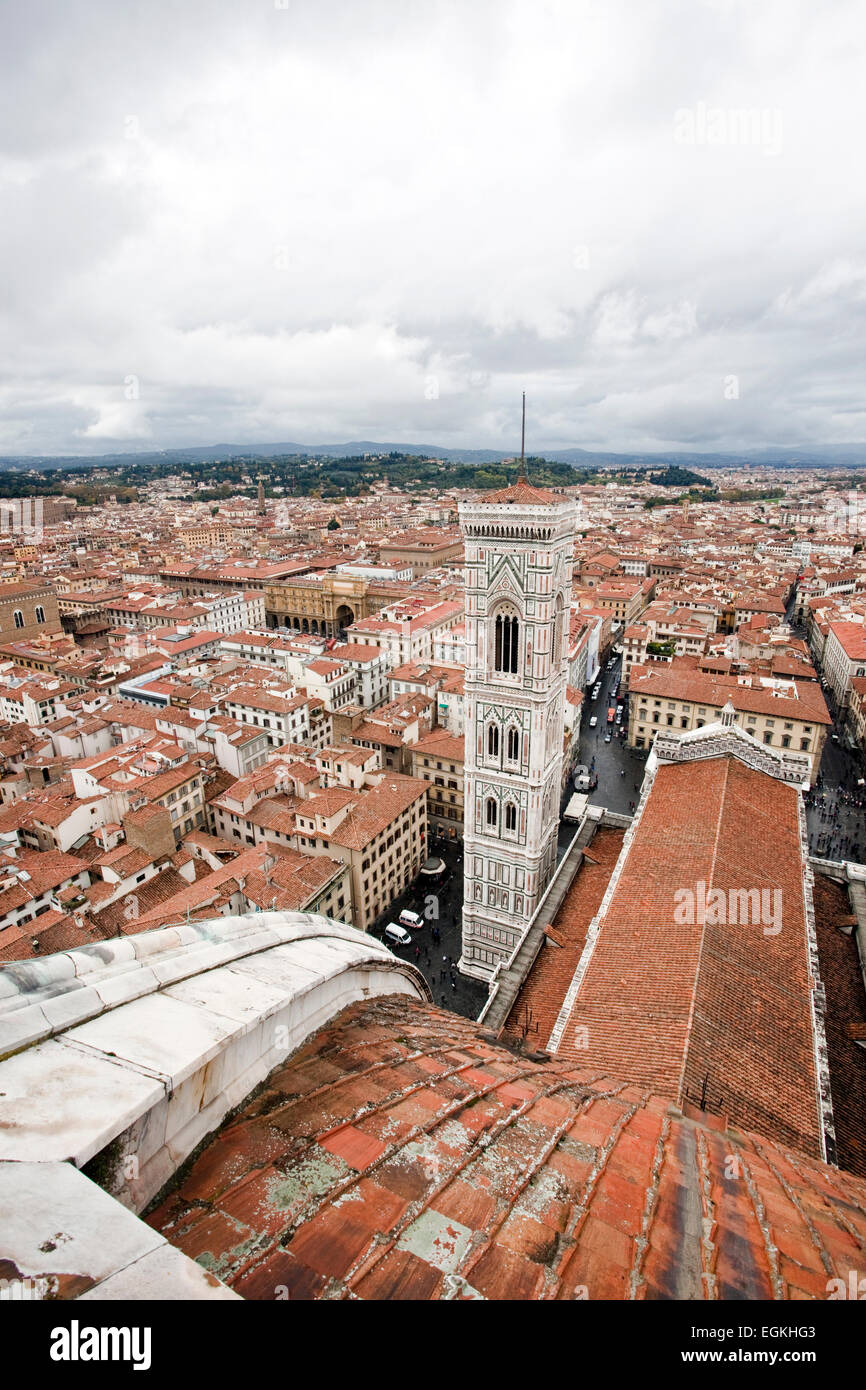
(78, 1073)
(64, 1237)
(60, 1102)
(43, 997)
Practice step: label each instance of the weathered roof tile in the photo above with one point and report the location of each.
(363, 1169)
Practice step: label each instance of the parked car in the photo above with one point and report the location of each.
(593, 721)
(397, 936)
(608, 736)
(410, 919)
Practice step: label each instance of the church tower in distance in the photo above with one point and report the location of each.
(519, 545)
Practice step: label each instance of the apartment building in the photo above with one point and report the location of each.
(281, 713)
(267, 878)
(664, 633)
(332, 682)
(34, 882)
(407, 632)
(380, 834)
(423, 549)
(781, 714)
(28, 609)
(437, 759)
(857, 712)
(624, 599)
(370, 666)
(34, 702)
(445, 685)
(154, 773)
(844, 657)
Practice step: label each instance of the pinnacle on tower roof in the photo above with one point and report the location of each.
(522, 478)
(522, 492)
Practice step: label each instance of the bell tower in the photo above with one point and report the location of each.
(519, 545)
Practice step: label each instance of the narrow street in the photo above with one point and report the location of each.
(836, 806)
(619, 768)
(440, 903)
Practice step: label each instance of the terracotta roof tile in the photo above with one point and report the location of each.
(357, 1172)
(716, 1009)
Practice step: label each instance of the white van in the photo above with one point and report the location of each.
(410, 919)
(397, 936)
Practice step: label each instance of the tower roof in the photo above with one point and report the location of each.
(522, 494)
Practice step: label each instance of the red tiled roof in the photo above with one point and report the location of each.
(687, 1008)
(522, 494)
(399, 1155)
(684, 681)
(541, 996)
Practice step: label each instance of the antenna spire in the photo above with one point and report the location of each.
(522, 478)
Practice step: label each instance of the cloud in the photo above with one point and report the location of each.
(336, 220)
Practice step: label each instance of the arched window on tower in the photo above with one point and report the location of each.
(493, 741)
(491, 813)
(510, 816)
(513, 745)
(506, 643)
(19, 618)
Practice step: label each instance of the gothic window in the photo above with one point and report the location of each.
(513, 744)
(510, 816)
(506, 642)
(40, 613)
(493, 741)
(491, 812)
(19, 618)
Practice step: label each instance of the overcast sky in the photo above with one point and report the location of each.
(248, 221)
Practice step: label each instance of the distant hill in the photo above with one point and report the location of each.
(816, 456)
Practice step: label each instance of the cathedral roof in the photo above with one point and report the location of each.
(716, 1002)
(402, 1154)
